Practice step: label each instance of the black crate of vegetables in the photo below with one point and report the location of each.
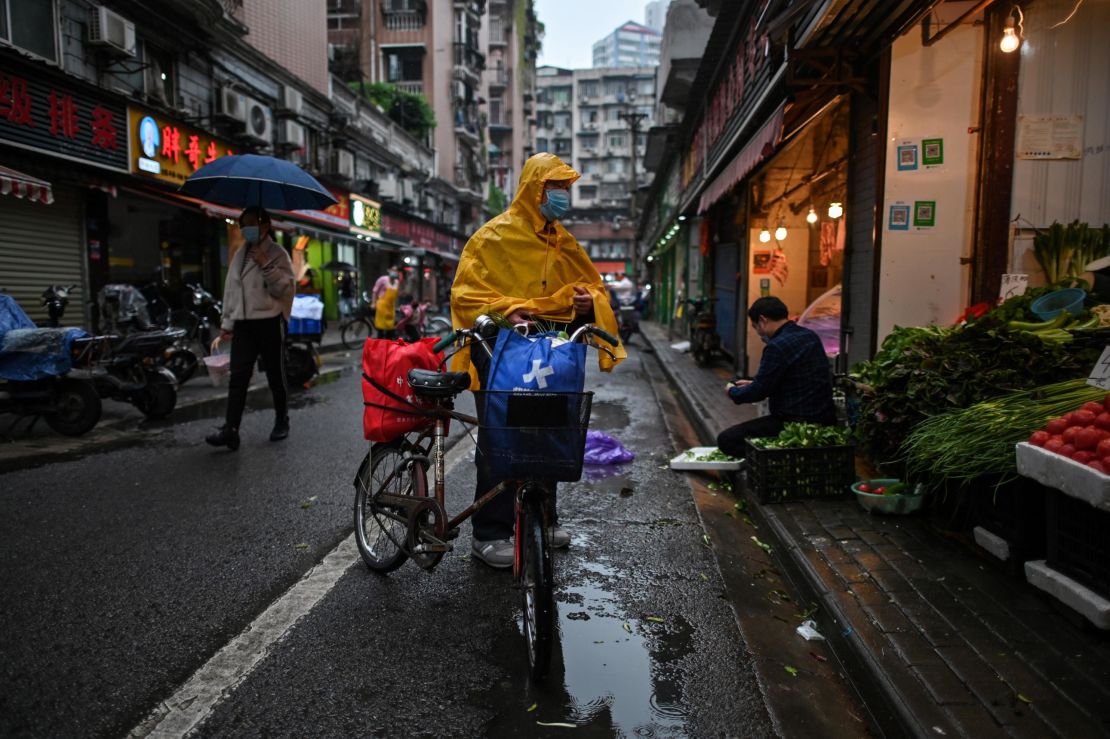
(780, 475)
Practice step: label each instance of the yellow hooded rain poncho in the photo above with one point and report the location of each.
(520, 261)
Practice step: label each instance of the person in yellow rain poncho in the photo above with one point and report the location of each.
(385, 303)
(524, 265)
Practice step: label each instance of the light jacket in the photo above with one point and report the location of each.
(521, 261)
(258, 292)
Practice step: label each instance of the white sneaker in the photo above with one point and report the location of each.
(498, 553)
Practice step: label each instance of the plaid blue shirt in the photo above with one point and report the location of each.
(794, 373)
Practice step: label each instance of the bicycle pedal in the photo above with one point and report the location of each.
(441, 548)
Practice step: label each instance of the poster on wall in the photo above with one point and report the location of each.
(1050, 137)
(924, 214)
(899, 218)
(761, 263)
(907, 156)
(932, 153)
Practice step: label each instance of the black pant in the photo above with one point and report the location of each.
(731, 440)
(495, 519)
(252, 338)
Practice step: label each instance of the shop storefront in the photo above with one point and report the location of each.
(428, 258)
(58, 139)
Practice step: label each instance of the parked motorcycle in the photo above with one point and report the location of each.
(38, 376)
(132, 371)
(705, 344)
(55, 298)
(126, 311)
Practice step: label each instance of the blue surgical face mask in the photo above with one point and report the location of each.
(557, 205)
(250, 233)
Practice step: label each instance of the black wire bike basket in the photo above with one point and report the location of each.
(532, 435)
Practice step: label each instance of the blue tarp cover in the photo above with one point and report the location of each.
(29, 353)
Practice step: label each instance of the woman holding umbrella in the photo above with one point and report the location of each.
(258, 298)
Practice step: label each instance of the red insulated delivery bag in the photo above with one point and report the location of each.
(392, 408)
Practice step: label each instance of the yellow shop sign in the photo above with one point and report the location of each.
(167, 150)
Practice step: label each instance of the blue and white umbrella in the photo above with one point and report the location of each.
(244, 180)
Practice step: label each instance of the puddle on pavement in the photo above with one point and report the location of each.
(606, 678)
(608, 414)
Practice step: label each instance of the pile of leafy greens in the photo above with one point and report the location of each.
(921, 372)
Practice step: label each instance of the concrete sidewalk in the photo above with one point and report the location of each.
(936, 633)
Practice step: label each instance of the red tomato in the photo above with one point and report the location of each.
(1039, 438)
(1093, 407)
(1084, 457)
(1067, 450)
(1103, 448)
(864, 487)
(1082, 418)
(1055, 444)
(1086, 439)
(1098, 466)
(1056, 426)
(1106, 402)
(1102, 420)
(880, 491)
(1070, 433)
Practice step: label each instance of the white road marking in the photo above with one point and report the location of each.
(194, 701)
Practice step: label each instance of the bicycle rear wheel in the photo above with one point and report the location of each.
(381, 530)
(354, 333)
(536, 582)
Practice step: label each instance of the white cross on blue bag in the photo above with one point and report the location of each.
(541, 362)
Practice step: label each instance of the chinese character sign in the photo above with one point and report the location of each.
(366, 216)
(40, 114)
(166, 150)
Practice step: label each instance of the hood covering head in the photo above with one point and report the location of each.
(519, 261)
(538, 170)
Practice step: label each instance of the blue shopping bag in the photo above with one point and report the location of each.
(540, 362)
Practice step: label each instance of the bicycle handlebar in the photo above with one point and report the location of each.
(445, 342)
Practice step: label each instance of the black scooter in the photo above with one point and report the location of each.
(132, 371)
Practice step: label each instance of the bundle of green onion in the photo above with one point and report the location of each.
(979, 440)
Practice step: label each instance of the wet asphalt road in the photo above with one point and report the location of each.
(124, 572)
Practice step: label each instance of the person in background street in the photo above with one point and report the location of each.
(347, 302)
(524, 265)
(624, 290)
(794, 373)
(258, 297)
(384, 300)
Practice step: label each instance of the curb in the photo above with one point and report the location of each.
(860, 663)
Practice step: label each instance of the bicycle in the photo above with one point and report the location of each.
(397, 518)
(356, 328)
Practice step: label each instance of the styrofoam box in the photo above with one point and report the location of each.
(686, 461)
(1066, 475)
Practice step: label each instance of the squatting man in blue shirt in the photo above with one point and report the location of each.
(794, 373)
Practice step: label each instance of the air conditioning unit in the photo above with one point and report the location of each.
(292, 101)
(260, 121)
(231, 104)
(292, 134)
(343, 163)
(112, 31)
(387, 188)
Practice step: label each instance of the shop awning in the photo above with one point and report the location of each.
(25, 186)
(758, 148)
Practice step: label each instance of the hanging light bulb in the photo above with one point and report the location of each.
(1011, 34)
(811, 217)
(780, 232)
(764, 236)
(835, 210)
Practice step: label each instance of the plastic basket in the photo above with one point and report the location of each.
(1079, 541)
(219, 367)
(779, 475)
(532, 435)
(1050, 305)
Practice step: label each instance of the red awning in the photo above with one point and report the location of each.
(610, 267)
(25, 186)
(758, 148)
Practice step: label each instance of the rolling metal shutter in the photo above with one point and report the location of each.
(41, 245)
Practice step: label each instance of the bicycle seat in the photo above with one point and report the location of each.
(432, 384)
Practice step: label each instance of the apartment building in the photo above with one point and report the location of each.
(585, 117)
(432, 49)
(629, 45)
(508, 35)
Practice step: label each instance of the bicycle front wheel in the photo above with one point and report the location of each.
(537, 586)
(437, 327)
(381, 530)
(354, 333)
